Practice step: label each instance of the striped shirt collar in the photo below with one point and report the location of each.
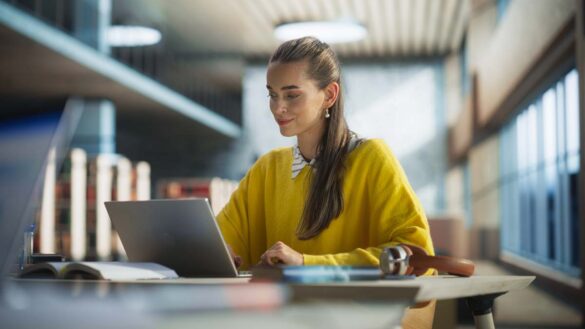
(299, 162)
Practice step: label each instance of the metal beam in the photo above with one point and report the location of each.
(70, 48)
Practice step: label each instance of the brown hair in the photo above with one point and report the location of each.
(324, 68)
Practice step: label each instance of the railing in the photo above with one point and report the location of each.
(156, 62)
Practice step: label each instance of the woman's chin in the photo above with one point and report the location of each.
(286, 132)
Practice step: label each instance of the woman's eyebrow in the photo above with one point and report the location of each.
(285, 87)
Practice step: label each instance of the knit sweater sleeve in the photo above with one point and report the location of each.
(394, 212)
(233, 219)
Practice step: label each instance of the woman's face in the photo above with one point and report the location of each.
(296, 102)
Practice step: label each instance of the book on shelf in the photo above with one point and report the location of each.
(217, 190)
(315, 274)
(98, 271)
(67, 216)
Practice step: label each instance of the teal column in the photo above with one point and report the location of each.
(91, 21)
(96, 132)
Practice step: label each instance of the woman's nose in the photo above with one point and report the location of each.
(279, 107)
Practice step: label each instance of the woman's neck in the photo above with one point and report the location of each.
(309, 140)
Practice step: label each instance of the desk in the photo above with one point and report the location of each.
(479, 291)
(210, 303)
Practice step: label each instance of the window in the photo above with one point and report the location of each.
(539, 165)
(463, 63)
(502, 7)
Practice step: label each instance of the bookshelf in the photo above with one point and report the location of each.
(72, 219)
(217, 190)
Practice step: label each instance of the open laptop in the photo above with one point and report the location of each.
(180, 234)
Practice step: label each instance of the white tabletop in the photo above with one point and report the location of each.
(429, 287)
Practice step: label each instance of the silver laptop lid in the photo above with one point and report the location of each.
(180, 234)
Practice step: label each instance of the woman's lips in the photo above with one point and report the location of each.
(284, 122)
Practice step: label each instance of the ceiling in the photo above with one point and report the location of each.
(217, 37)
(396, 28)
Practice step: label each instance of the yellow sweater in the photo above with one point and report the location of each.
(380, 209)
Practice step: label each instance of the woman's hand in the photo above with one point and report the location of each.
(280, 253)
(237, 259)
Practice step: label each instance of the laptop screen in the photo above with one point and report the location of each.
(25, 143)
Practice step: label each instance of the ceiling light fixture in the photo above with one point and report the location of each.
(132, 36)
(327, 31)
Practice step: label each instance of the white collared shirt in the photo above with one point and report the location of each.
(299, 162)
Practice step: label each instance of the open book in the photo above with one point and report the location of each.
(98, 271)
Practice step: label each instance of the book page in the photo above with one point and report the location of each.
(47, 270)
(121, 270)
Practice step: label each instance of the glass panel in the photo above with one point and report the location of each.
(521, 152)
(549, 126)
(562, 178)
(572, 122)
(540, 152)
(550, 168)
(572, 107)
(512, 178)
(505, 188)
(521, 145)
(532, 139)
(532, 146)
(574, 218)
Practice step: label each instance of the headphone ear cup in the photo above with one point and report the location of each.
(394, 260)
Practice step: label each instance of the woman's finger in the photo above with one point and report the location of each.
(280, 253)
(235, 258)
(238, 261)
(272, 257)
(263, 259)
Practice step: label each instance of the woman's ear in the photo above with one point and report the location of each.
(331, 94)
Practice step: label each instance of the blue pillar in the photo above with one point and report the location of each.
(96, 132)
(91, 21)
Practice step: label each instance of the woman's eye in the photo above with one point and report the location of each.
(274, 96)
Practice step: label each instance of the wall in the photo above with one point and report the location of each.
(454, 191)
(484, 168)
(482, 25)
(453, 87)
(521, 36)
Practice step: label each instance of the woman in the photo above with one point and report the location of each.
(334, 199)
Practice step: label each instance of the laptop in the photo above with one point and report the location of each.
(181, 234)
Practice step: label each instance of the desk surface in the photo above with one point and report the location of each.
(192, 303)
(205, 303)
(447, 287)
(429, 287)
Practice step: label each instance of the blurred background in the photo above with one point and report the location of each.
(481, 101)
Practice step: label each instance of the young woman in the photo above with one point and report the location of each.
(334, 199)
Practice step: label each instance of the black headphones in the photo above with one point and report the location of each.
(408, 259)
